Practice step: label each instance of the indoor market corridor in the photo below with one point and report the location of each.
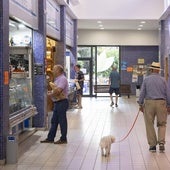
(85, 128)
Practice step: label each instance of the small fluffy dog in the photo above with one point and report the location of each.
(105, 144)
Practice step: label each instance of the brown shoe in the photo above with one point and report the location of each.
(61, 142)
(161, 147)
(46, 141)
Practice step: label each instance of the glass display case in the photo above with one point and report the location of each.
(20, 93)
(21, 107)
(20, 87)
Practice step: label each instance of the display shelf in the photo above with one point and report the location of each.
(49, 59)
(21, 115)
(49, 65)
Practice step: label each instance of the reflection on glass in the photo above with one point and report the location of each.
(20, 94)
(106, 57)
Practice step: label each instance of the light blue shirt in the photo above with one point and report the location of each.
(154, 87)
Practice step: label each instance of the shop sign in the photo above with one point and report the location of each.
(38, 69)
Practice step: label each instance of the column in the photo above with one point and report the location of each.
(4, 77)
(61, 45)
(39, 78)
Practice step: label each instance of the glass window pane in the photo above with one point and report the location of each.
(84, 52)
(106, 57)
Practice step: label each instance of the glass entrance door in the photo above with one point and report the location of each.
(86, 68)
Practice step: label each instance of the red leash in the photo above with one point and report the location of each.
(130, 129)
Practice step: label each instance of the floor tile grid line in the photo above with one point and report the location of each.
(118, 156)
(127, 120)
(142, 153)
(163, 162)
(99, 156)
(138, 141)
(139, 144)
(136, 145)
(79, 144)
(103, 122)
(131, 117)
(89, 126)
(100, 116)
(141, 162)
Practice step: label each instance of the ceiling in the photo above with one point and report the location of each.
(118, 15)
(118, 24)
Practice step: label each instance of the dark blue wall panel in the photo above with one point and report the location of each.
(130, 55)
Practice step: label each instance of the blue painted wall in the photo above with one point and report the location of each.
(130, 55)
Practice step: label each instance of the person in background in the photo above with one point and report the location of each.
(114, 82)
(154, 101)
(60, 107)
(80, 80)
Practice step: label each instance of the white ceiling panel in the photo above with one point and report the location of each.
(119, 14)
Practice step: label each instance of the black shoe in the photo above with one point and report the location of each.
(111, 104)
(46, 141)
(161, 147)
(152, 149)
(61, 142)
(116, 105)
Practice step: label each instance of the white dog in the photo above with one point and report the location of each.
(105, 144)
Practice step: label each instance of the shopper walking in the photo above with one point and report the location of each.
(79, 80)
(154, 100)
(114, 82)
(60, 106)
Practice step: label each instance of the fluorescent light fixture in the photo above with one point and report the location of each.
(10, 24)
(21, 26)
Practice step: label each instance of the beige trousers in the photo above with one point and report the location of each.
(152, 109)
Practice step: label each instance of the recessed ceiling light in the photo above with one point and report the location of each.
(139, 29)
(143, 22)
(141, 25)
(99, 22)
(100, 25)
(102, 28)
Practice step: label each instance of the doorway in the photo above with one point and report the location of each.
(86, 68)
(96, 62)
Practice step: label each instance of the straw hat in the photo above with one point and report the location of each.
(155, 65)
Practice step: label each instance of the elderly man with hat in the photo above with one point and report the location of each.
(154, 101)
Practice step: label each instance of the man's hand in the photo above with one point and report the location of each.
(168, 110)
(141, 108)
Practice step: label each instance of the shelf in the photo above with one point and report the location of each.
(21, 115)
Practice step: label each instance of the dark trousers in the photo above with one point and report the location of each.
(59, 118)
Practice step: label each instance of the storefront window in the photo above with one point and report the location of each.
(20, 61)
(84, 52)
(106, 57)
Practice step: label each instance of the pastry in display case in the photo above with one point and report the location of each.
(50, 50)
(49, 65)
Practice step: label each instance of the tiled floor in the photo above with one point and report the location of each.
(82, 152)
